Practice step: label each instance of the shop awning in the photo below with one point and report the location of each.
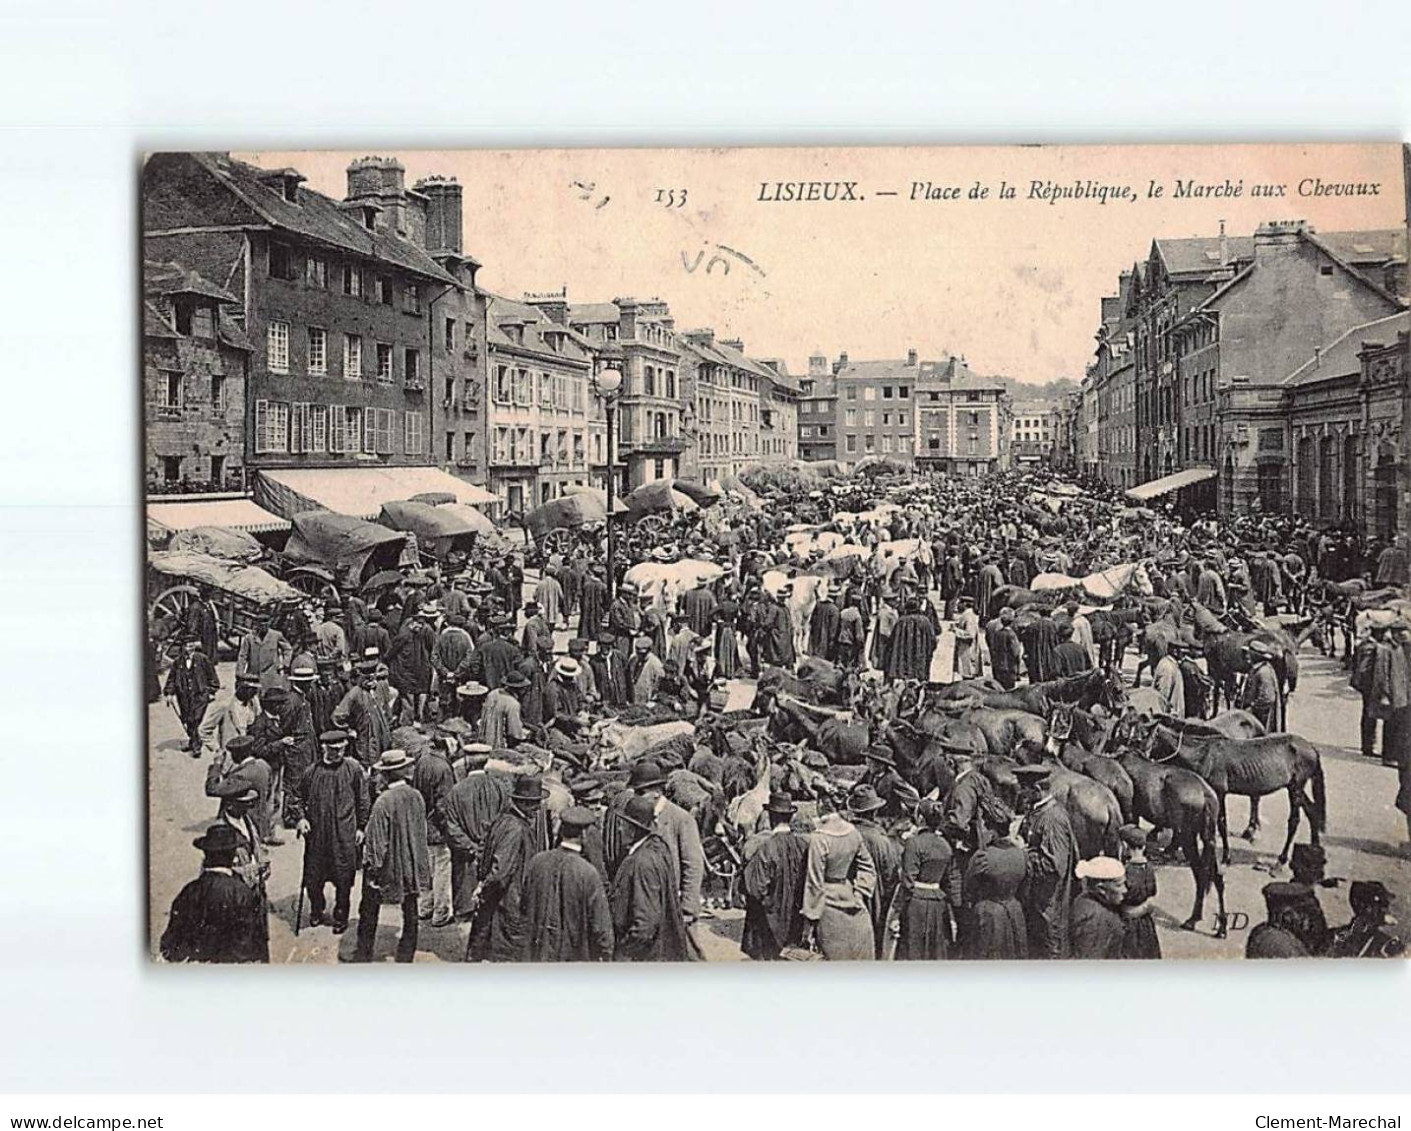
(358, 491)
(232, 514)
(1158, 487)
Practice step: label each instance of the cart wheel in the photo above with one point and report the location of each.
(557, 542)
(313, 586)
(653, 523)
(174, 602)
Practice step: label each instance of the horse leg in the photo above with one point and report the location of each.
(1224, 829)
(1217, 878)
(1250, 832)
(1191, 851)
(1294, 810)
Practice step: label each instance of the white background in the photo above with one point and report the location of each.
(86, 86)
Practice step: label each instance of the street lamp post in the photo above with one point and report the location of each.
(606, 384)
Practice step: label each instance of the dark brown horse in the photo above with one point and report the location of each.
(1251, 768)
(1086, 690)
(840, 738)
(1093, 809)
(1225, 659)
(1178, 799)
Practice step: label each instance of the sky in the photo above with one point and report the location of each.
(1013, 285)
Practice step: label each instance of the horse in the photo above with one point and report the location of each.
(1225, 658)
(1178, 799)
(840, 737)
(1093, 809)
(1003, 730)
(1077, 740)
(1085, 689)
(1251, 768)
(1018, 597)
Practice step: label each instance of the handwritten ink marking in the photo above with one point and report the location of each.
(688, 264)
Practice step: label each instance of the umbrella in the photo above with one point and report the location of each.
(382, 580)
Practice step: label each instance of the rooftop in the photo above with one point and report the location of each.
(1339, 357)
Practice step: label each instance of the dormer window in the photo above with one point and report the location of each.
(370, 219)
(290, 187)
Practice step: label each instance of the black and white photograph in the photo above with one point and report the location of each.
(895, 554)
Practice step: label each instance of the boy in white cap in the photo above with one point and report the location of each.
(1096, 928)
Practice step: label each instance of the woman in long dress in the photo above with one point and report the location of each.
(727, 641)
(993, 925)
(930, 889)
(1137, 904)
(838, 882)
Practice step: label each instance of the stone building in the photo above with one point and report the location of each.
(638, 337)
(1033, 430)
(876, 410)
(779, 411)
(818, 411)
(962, 420)
(724, 398)
(336, 300)
(539, 404)
(195, 359)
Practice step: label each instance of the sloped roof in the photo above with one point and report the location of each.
(167, 278)
(1339, 357)
(506, 311)
(824, 385)
(316, 217)
(593, 312)
(1201, 254)
(872, 370)
(155, 324)
(1365, 249)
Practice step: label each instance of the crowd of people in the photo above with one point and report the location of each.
(438, 743)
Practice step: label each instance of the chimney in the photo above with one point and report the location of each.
(734, 344)
(380, 180)
(1224, 246)
(553, 306)
(1277, 237)
(817, 365)
(911, 358)
(842, 362)
(627, 309)
(443, 214)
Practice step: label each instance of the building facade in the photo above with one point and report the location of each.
(638, 337)
(195, 362)
(962, 420)
(336, 299)
(725, 397)
(539, 403)
(1033, 429)
(876, 409)
(779, 411)
(818, 411)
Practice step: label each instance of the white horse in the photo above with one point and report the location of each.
(804, 591)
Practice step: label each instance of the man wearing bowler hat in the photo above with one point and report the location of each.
(395, 866)
(518, 834)
(191, 685)
(648, 925)
(217, 917)
(773, 883)
(676, 827)
(336, 806)
(238, 771)
(566, 916)
(501, 722)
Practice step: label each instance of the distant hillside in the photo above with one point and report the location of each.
(1054, 390)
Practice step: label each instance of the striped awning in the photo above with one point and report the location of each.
(232, 514)
(1158, 487)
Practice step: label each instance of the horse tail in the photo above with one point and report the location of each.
(1320, 794)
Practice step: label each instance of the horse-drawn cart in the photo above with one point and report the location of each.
(240, 593)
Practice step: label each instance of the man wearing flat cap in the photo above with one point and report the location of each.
(566, 915)
(395, 866)
(217, 917)
(1367, 936)
(1052, 857)
(644, 670)
(360, 713)
(1261, 694)
(336, 807)
(593, 603)
(773, 882)
(1097, 927)
(516, 837)
(239, 770)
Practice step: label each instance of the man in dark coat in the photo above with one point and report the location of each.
(237, 770)
(648, 925)
(1097, 927)
(1070, 658)
(217, 917)
(409, 663)
(1006, 653)
(773, 882)
(325, 694)
(1261, 694)
(203, 623)
(773, 636)
(624, 619)
(698, 606)
(610, 671)
(395, 867)
(498, 932)
(472, 807)
(912, 645)
(372, 633)
(191, 685)
(952, 579)
(592, 603)
(1044, 643)
(863, 807)
(987, 581)
(498, 656)
(300, 743)
(565, 905)
(360, 713)
(335, 801)
(433, 778)
(1053, 856)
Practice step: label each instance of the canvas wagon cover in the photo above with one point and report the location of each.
(567, 513)
(660, 496)
(341, 542)
(218, 542)
(245, 581)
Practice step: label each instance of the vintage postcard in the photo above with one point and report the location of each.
(881, 554)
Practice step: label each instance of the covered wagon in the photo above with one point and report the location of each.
(349, 548)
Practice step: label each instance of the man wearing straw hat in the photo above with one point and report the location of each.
(395, 865)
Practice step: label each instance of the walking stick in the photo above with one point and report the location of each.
(299, 911)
